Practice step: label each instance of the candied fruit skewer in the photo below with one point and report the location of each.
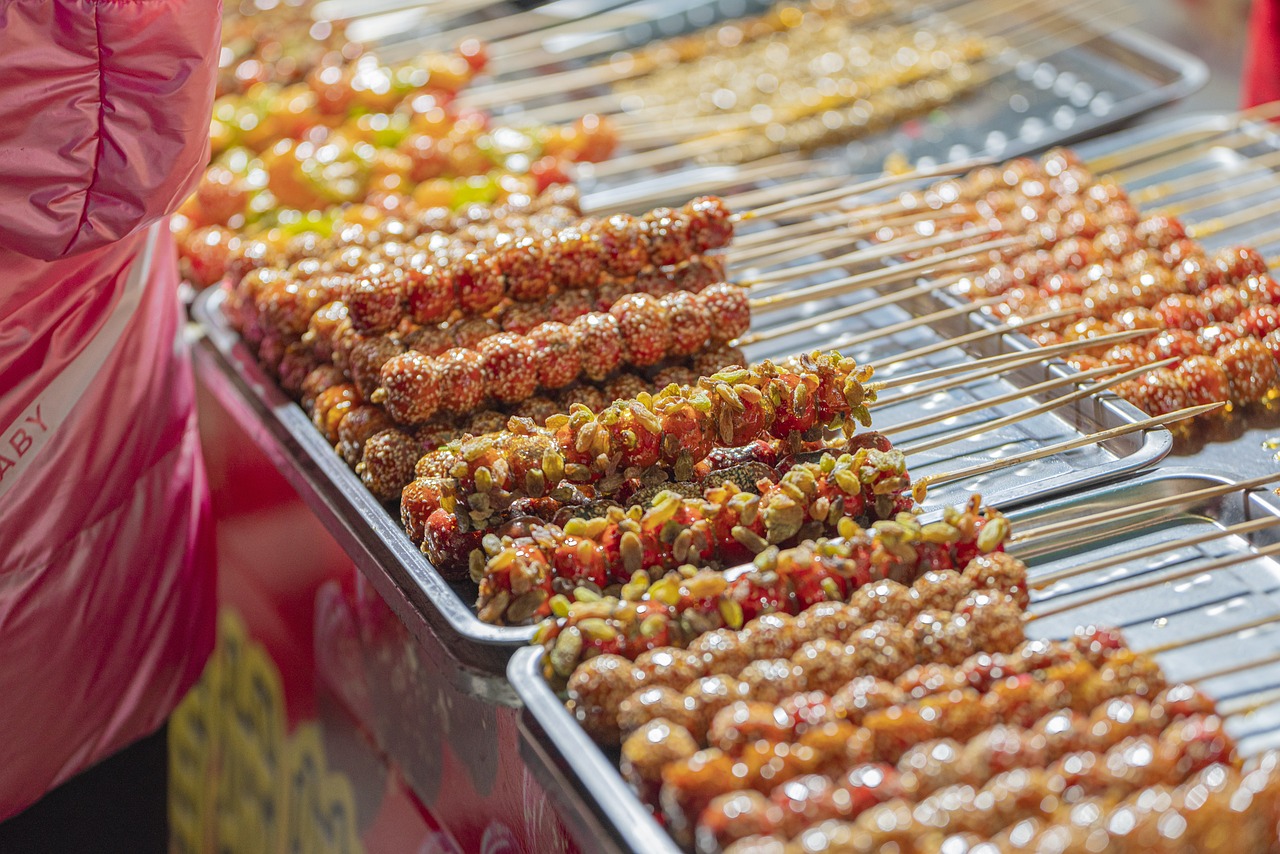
(724, 526)
(673, 429)
(583, 256)
(1174, 285)
(1030, 798)
(679, 612)
(638, 330)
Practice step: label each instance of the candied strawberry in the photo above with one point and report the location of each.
(1174, 343)
(689, 323)
(1258, 320)
(1238, 264)
(599, 343)
(668, 237)
(644, 328)
(462, 379)
(556, 355)
(729, 310)
(520, 317)
(1205, 380)
(478, 282)
(622, 243)
(1261, 288)
(710, 223)
(1250, 367)
(508, 361)
(577, 258)
(1182, 311)
(1216, 336)
(470, 332)
(527, 269)
(411, 382)
(1222, 303)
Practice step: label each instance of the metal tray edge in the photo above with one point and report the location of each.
(344, 487)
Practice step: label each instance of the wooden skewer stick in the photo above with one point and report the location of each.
(768, 195)
(1002, 367)
(993, 332)
(1039, 409)
(884, 276)
(1266, 237)
(1217, 634)
(1247, 703)
(857, 224)
(677, 153)
(1205, 178)
(1071, 444)
(846, 341)
(743, 248)
(771, 255)
(1110, 516)
(1217, 197)
(1222, 223)
(1148, 168)
(1142, 151)
(1007, 397)
(840, 193)
(1113, 590)
(876, 253)
(1049, 579)
(806, 323)
(703, 180)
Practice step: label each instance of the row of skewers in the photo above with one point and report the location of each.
(351, 139)
(447, 510)
(1088, 249)
(905, 708)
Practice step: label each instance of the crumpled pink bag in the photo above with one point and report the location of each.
(106, 564)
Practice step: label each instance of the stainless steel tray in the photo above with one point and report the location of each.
(350, 511)
(1240, 446)
(1245, 446)
(331, 485)
(598, 805)
(1070, 95)
(1032, 481)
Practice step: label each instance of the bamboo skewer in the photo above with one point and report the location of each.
(1043, 582)
(877, 252)
(1217, 197)
(872, 278)
(1204, 178)
(1143, 151)
(1145, 583)
(1241, 667)
(914, 323)
(1005, 328)
(881, 182)
(1216, 634)
(770, 255)
(1107, 516)
(977, 335)
(742, 249)
(1039, 409)
(1222, 223)
(1002, 367)
(769, 195)
(1008, 397)
(1071, 444)
(1148, 168)
(807, 323)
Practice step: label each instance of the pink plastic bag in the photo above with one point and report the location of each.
(106, 574)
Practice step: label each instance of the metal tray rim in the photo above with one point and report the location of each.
(350, 491)
(609, 794)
